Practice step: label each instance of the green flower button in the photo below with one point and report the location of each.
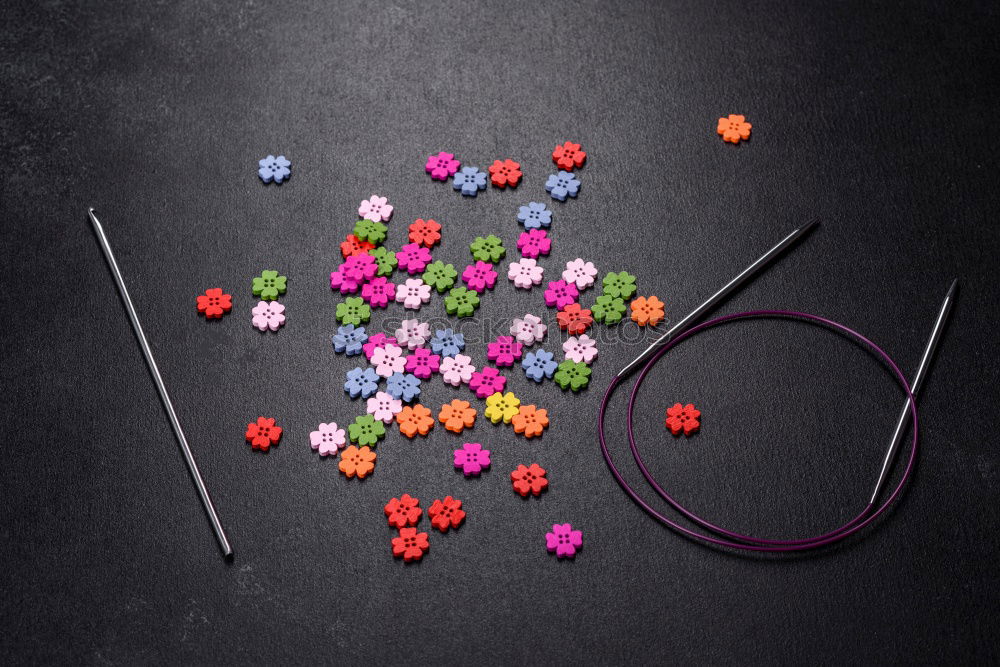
(489, 249)
(369, 230)
(461, 302)
(354, 311)
(440, 276)
(608, 309)
(619, 284)
(269, 285)
(573, 375)
(366, 431)
(385, 260)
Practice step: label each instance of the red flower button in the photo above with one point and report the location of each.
(410, 544)
(683, 418)
(213, 303)
(447, 513)
(352, 245)
(505, 173)
(574, 319)
(425, 232)
(529, 479)
(403, 511)
(568, 156)
(263, 434)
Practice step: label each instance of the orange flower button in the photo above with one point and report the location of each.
(357, 462)
(457, 415)
(415, 419)
(734, 128)
(647, 311)
(530, 421)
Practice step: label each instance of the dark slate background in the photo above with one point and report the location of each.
(877, 117)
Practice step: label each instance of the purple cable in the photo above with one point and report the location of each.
(732, 539)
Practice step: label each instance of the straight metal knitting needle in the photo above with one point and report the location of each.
(918, 380)
(220, 534)
(726, 289)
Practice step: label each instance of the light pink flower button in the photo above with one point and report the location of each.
(375, 208)
(580, 348)
(388, 360)
(384, 407)
(457, 370)
(528, 330)
(525, 273)
(268, 315)
(580, 273)
(327, 439)
(413, 333)
(413, 293)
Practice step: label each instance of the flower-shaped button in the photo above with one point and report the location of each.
(457, 370)
(422, 363)
(487, 381)
(447, 343)
(352, 245)
(425, 232)
(385, 261)
(349, 340)
(376, 341)
(608, 309)
(734, 128)
(534, 242)
(384, 407)
(457, 415)
(353, 310)
(574, 319)
(504, 351)
(404, 386)
(469, 181)
(530, 421)
(367, 230)
(376, 209)
(366, 430)
(403, 511)
(263, 433)
(525, 273)
(275, 169)
(340, 282)
(445, 514)
(579, 272)
(529, 479)
(410, 545)
(413, 258)
(620, 284)
(441, 166)
(357, 462)
(683, 418)
(479, 276)
(413, 293)
(327, 439)
(563, 541)
(213, 303)
(413, 333)
(488, 248)
(501, 407)
(505, 173)
(361, 382)
(534, 215)
(529, 329)
(539, 364)
(440, 276)
(379, 292)
(560, 294)
(268, 285)
(387, 360)
(568, 156)
(472, 459)
(572, 375)
(562, 185)
(647, 311)
(268, 315)
(415, 419)
(461, 302)
(358, 268)
(581, 349)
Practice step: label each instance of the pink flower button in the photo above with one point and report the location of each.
(534, 242)
(581, 349)
(580, 273)
(560, 294)
(268, 315)
(423, 363)
(486, 382)
(479, 276)
(327, 439)
(413, 293)
(457, 370)
(413, 333)
(563, 540)
(379, 292)
(375, 208)
(526, 273)
(375, 342)
(441, 166)
(529, 329)
(413, 258)
(504, 351)
(384, 407)
(472, 458)
(388, 360)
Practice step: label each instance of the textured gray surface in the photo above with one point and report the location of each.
(878, 120)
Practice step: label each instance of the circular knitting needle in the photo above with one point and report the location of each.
(206, 501)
